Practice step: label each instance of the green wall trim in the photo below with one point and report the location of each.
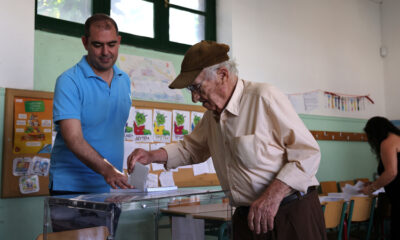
(331, 123)
(332, 118)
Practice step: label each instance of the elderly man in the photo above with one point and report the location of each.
(263, 154)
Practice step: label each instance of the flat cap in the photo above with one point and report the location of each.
(198, 57)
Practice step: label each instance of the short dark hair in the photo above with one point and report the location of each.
(377, 130)
(100, 17)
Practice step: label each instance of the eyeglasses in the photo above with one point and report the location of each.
(195, 87)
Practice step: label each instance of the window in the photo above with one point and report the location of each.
(169, 26)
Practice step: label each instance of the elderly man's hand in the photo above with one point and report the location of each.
(139, 155)
(263, 210)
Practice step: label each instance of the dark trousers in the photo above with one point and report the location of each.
(65, 218)
(299, 219)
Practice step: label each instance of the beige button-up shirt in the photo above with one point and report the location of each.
(257, 138)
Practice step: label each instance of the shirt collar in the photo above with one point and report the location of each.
(234, 102)
(88, 71)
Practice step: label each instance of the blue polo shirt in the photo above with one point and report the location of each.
(103, 111)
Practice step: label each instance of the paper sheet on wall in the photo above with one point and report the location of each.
(152, 180)
(200, 168)
(145, 72)
(166, 179)
(311, 101)
(211, 165)
(297, 101)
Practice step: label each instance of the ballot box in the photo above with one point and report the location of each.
(118, 215)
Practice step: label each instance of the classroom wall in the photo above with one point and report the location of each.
(313, 44)
(16, 51)
(391, 43)
(307, 45)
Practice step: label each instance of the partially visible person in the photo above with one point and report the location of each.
(384, 139)
(91, 106)
(264, 156)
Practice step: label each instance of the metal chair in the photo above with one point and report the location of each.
(328, 187)
(334, 215)
(361, 211)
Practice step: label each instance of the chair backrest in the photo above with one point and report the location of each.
(360, 208)
(328, 187)
(343, 183)
(364, 180)
(93, 233)
(334, 213)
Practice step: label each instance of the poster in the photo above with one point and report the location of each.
(142, 125)
(195, 118)
(162, 126)
(181, 121)
(32, 125)
(150, 78)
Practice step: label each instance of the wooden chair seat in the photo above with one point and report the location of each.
(328, 187)
(94, 233)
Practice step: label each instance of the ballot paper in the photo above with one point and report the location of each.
(142, 181)
(138, 178)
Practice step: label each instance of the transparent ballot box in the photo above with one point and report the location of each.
(133, 215)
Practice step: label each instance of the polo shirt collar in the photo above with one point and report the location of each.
(234, 102)
(88, 71)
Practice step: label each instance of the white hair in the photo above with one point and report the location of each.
(211, 71)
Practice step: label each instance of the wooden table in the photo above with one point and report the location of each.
(216, 216)
(197, 209)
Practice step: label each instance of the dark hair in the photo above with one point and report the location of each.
(377, 130)
(100, 17)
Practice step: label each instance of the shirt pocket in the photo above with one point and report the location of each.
(254, 152)
(245, 149)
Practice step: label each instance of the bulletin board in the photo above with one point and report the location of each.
(27, 133)
(184, 177)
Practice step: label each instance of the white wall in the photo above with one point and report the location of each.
(306, 45)
(391, 40)
(17, 19)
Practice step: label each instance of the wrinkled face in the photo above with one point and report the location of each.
(102, 46)
(209, 91)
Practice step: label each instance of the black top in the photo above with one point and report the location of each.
(393, 188)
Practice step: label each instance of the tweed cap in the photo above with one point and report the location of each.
(198, 57)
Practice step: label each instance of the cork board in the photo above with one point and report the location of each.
(10, 183)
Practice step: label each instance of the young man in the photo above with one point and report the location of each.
(91, 106)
